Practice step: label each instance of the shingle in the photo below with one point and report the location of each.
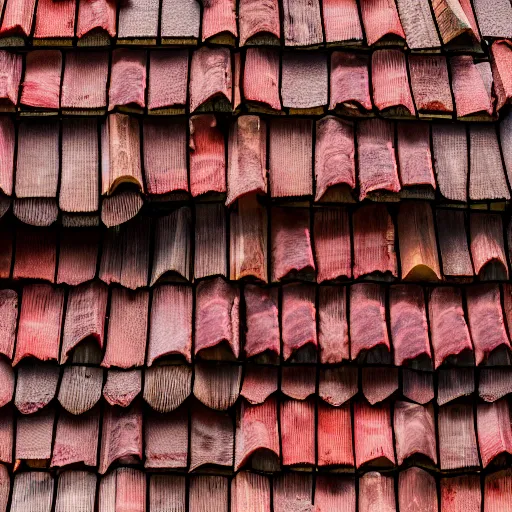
(138, 21)
(41, 83)
(8, 320)
(36, 386)
(494, 18)
(418, 245)
(18, 17)
(168, 77)
(416, 486)
(80, 388)
(7, 144)
(497, 491)
(250, 491)
(501, 62)
(215, 488)
(332, 324)
(172, 247)
(125, 487)
(166, 440)
(217, 385)
(248, 240)
(259, 21)
(165, 489)
(454, 19)
(494, 430)
(259, 383)
(40, 323)
(292, 491)
(454, 383)
(219, 21)
(180, 21)
(36, 254)
(418, 386)
(378, 383)
(297, 433)
(167, 387)
(418, 24)
(121, 436)
(302, 23)
(32, 491)
(334, 431)
(11, 67)
(430, 85)
(96, 16)
(335, 493)
(34, 435)
(6, 444)
(207, 156)
(122, 387)
(127, 79)
(126, 341)
(298, 381)
(494, 383)
(210, 85)
(381, 22)
(76, 491)
(55, 20)
(390, 84)
(341, 22)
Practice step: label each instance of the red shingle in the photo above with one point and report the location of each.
(261, 78)
(461, 493)
(376, 492)
(494, 383)
(497, 495)
(165, 489)
(215, 487)
(454, 383)
(338, 385)
(219, 17)
(455, 19)
(11, 67)
(8, 320)
(167, 387)
(416, 488)
(297, 434)
(418, 386)
(18, 17)
(34, 435)
(210, 241)
(381, 21)
(97, 16)
(123, 488)
(494, 430)
(378, 383)
(335, 493)
(121, 387)
(76, 491)
(298, 381)
(341, 22)
(334, 431)
(55, 19)
(501, 61)
(36, 386)
(41, 84)
(36, 254)
(259, 383)
(250, 491)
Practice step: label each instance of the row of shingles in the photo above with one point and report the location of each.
(303, 87)
(304, 24)
(252, 491)
(158, 164)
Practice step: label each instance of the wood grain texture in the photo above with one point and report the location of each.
(165, 156)
(486, 173)
(259, 383)
(376, 492)
(35, 246)
(373, 436)
(96, 16)
(455, 18)
(457, 438)
(121, 435)
(335, 166)
(506, 143)
(381, 21)
(41, 83)
(298, 382)
(210, 76)
(120, 153)
(390, 83)
(487, 246)
(261, 78)
(76, 439)
(6, 447)
(292, 253)
(417, 491)
(247, 156)
(8, 320)
(258, 18)
(349, 83)
(34, 436)
(76, 490)
(18, 17)
(7, 382)
(166, 387)
(122, 387)
(80, 388)
(217, 318)
(210, 241)
(302, 23)
(418, 386)
(450, 145)
(377, 162)
(469, 90)
(79, 167)
(448, 328)
(461, 493)
(486, 322)
(497, 491)
(415, 434)
(166, 440)
(36, 386)
(168, 77)
(32, 491)
(430, 85)
(250, 491)
(78, 256)
(454, 383)
(215, 487)
(172, 256)
(11, 67)
(217, 385)
(418, 24)
(126, 341)
(7, 144)
(304, 80)
(40, 323)
(165, 489)
(127, 79)
(408, 321)
(211, 438)
(297, 433)
(207, 156)
(494, 430)
(501, 62)
(120, 207)
(334, 431)
(293, 492)
(367, 319)
(219, 16)
(122, 489)
(341, 22)
(256, 433)
(138, 19)
(55, 19)
(335, 493)
(338, 385)
(332, 324)
(494, 383)
(374, 241)
(125, 255)
(453, 244)
(378, 384)
(170, 331)
(291, 157)
(417, 239)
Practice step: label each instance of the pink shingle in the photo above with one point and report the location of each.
(258, 18)
(96, 15)
(18, 17)
(341, 21)
(10, 68)
(219, 16)
(501, 61)
(381, 21)
(127, 79)
(298, 433)
(55, 19)
(333, 326)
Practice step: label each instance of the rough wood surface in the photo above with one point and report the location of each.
(250, 491)
(338, 385)
(494, 383)
(335, 493)
(41, 83)
(418, 386)
(461, 493)
(96, 15)
(210, 241)
(381, 21)
(417, 491)
(293, 492)
(216, 487)
(217, 385)
(8, 318)
(259, 383)
(302, 23)
(219, 16)
(165, 489)
(297, 433)
(341, 22)
(497, 491)
(454, 383)
(501, 62)
(55, 19)
(180, 19)
(120, 208)
(18, 17)
(298, 382)
(122, 489)
(36, 254)
(455, 18)
(378, 384)
(76, 490)
(334, 431)
(138, 19)
(36, 386)
(261, 78)
(376, 492)
(11, 66)
(258, 18)
(34, 435)
(32, 491)
(80, 388)
(122, 387)
(418, 24)
(166, 387)
(6, 445)
(494, 430)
